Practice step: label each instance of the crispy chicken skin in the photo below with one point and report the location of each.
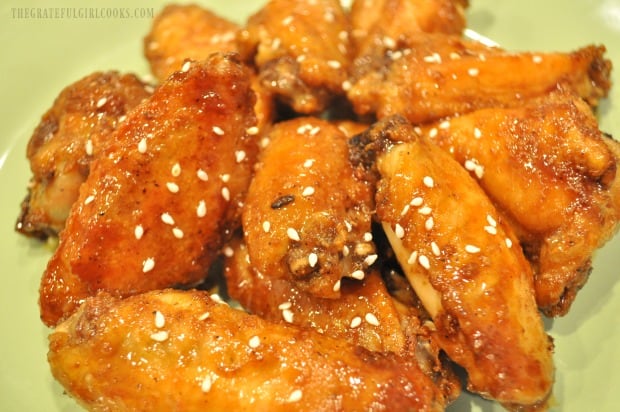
(377, 26)
(300, 49)
(157, 207)
(307, 219)
(71, 133)
(464, 263)
(550, 171)
(437, 75)
(181, 350)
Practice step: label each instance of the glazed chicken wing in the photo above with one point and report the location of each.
(181, 350)
(307, 217)
(439, 75)
(158, 205)
(300, 49)
(552, 173)
(71, 133)
(464, 263)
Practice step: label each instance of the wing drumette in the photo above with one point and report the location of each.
(158, 205)
(181, 350)
(464, 263)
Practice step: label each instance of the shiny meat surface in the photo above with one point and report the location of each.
(307, 218)
(74, 131)
(181, 350)
(155, 211)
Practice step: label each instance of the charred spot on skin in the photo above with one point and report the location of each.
(282, 201)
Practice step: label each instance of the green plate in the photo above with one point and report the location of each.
(43, 51)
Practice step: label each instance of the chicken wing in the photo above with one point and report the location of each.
(71, 133)
(307, 217)
(300, 49)
(464, 263)
(439, 75)
(157, 207)
(181, 350)
(552, 173)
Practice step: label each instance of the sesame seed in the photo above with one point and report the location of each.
(355, 322)
(148, 264)
(367, 237)
(477, 133)
(287, 315)
(346, 85)
(252, 130)
(370, 259)
(275, 44)
(358, 274)
(445, 124)
(186, 66)
(345, 251)
(470, 165)
(425, 210)
(266, 226)
(313, 259)
(308, 191)
(371, 319)
(201, 209)
(254, 342)
(295, 396)
(160, 336)
(491, 221)
(334, 64)
(424, 262)
(315, 130)
(175, 170)
(399, 231)
(491, 230)
(239, 156)
(205, 385)
(142, 145)
(428, 225)
(101, 102)
(167, 218)
(454, 56)
(433, 132)
(473, 71)
(217, 298)
(416, 201)
(336, 287)
(412, 257)
(508, 243)
(225, 177)
(226, 193)
(428, 181)
(89, 199)
(287, 20)
(308, 163)
(285, 305)
(160, 320)
(88, 147)
(138, 232)
(472, 249)
(433, 58)
(304, 128)
(292, 234)
(172, 187)
(537, 59)
(405, 210)
(228, 251)
(218, 130)
(178, 233)
(204, 316)
(479, 171)
(202, 175)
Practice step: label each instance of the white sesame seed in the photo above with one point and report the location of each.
(266, 226)
(508, 243)
(160, 336)
(218, 130)
(435, 249)
(148, 264)
(433, 58)
(424, 262)
(491, 221)
(358, 274)
(537, 59)
(228, 251)
(167, 218)
(202, 175)
(315, 130)
(308, 191)
(160, 320)
(313, 259)
(178, 233)
(479, 171)
(416, 201)
(217, 298)
(371, 319)
(186, 66)
(292, 234)
(477, 133)
(399, 231)
(405, 210)
(370, 259)
(239, 156)
(101, 102)
(287, 315)
(226, 193)
(89, 199)
(287, 20)
(445, 124)
(334, 64)
(473, 71)
(201, 209)
(472, 249)
(285, 305)
(428, 181)
(367, 237)
(138, 232)
(432, 133)
(336, 287)
(88, 147)
(295, 396)
(348, 225)
(346, 85)
(470, 165)
(491, 230)
(172, 187)
(204, 316)
(425, 210)
(345, 251)
(142, 145)
(254, 342)
(205, 385)
(176, 170)
(413, 257)
(355, 322)
(428, 225)
(252, 130)
(225, 177)
(308, 163)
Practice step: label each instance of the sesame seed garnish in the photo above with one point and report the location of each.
(433, 58)
(367, 237)
(204, 316)
(254, 342)
(239, 156)
(405, 210)
(433, 132)
(292, 234)
(175, 170)
(160, 320)
(416, 201)
(178, 233)
(266, 226)
(308, 191)
(186, 66)
(285, 305)
(201, 209)
(160, 336)
(205, 385)
(537, 59)
(425, 210)
(399, 231)
(472, 249)
(371, 319)
(336, 287)
(252, 130)
(370, 259)
(167, 218)
(226, 193)
(308, 163)
(138, 232)
(428, 225)
(473, 71)
(218, 130)
(295, 396)
(315, 130)
(477, 133)
(313, 259)
(491, 221)
(345, 251)
(88, 147)
(172, 187)
(428, 181)
(287, 20)
(424, 262)
(101, 102)
(346, 85)
(334, 64)
(508, 243)
(89, 199)
(142, 145)
(348, 225)
(217, 298)
(412, 257)
(435, 249)
(202, 175)
(445, 124)
(355, 322)
(228, 251)
(148, 264)
(287, 315)
(491, 230)
(358, 274)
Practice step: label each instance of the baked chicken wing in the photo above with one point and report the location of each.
(181, 350)
(552, 173)
(158, 205)
(71, 133)
(464, 263)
